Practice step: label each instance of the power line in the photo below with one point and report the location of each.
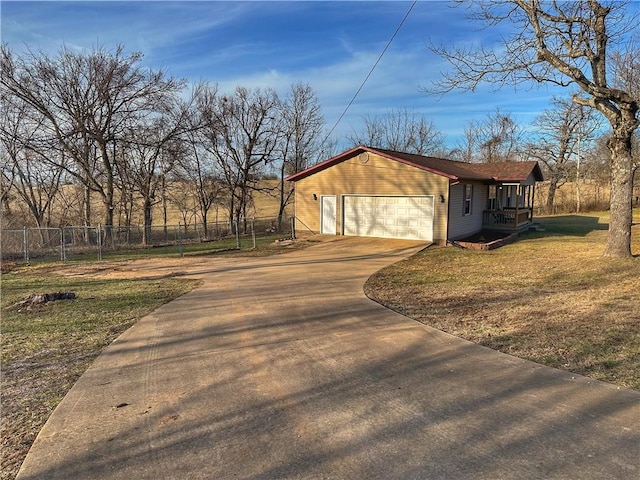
(370, 71)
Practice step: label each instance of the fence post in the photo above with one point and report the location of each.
(63, 255)
(293, 228)
(25, 243)
(236, 223)
(253, 232)
(99, 241)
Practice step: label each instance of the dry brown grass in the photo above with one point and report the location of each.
(46, 348)
(550, 297)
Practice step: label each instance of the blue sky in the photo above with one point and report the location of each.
(329, 45)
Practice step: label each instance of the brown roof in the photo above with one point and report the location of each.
(508, 171)
(501, 172)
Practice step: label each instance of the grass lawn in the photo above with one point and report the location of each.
(46, 348)
(551, 297)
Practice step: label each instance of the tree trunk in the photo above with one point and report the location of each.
(108, 219)
(109, 195)
(6, 206)
(619, 240)
(148, 219)
(86, 212)
(204, 213)
(164, 206)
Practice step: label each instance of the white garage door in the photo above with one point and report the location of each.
(389, 216)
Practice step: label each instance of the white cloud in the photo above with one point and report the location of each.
(274, 45)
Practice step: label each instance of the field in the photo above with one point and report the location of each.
(181, 208)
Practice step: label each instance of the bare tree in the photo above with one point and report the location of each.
(243, 131)
(150, 148)
(197, 172)
(500, 138)
(9, 147)
(86, 100)
(496, 138)
(302, 124)
(37, 184)
(563, 134)
(7, 170)
(182, 198)
(563, 43)
(626, 65)
(34, 170)
(401, 130)
(197, 169)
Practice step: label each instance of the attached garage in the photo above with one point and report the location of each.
(372, 192)
(408, 217)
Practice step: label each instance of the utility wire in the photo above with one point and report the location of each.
(370, 71)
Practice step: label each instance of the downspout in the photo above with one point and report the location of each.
(295, 210)
(450, 183)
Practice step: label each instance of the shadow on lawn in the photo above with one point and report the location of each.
(575, 225)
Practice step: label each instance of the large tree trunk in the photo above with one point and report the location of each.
(619, 240)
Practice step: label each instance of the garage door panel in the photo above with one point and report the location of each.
(409, 217)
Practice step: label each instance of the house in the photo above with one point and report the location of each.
(374, 192)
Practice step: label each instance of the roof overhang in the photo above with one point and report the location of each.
(457, 173)
(318, 167)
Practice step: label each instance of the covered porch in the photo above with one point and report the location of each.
(509, 207)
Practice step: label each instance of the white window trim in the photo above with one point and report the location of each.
(469, 200)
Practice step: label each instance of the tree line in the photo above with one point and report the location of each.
(104, 123)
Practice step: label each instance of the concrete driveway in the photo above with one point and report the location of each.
(281, 368)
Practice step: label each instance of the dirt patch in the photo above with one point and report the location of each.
(147, 268)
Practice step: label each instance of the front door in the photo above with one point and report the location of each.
(328, 214)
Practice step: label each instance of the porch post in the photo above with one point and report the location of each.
(517, 204)
(533, 200)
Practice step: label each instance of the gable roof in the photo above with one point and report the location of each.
(451, 169)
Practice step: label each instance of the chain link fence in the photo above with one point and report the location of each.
(71, 242)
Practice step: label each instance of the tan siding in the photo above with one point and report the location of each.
(378, 176)
(461, 226)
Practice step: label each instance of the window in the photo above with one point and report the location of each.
(468, 199)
